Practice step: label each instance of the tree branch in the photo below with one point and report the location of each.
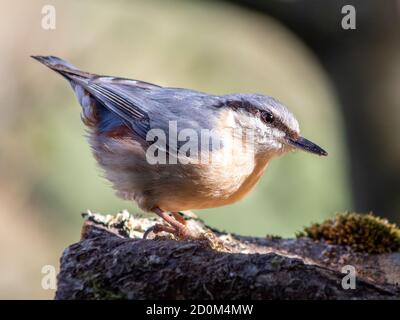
(107, 264)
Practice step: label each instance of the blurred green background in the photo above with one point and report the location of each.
(47, 174)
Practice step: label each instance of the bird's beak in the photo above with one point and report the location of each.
(306, 145)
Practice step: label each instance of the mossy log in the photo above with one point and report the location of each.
(111, 261)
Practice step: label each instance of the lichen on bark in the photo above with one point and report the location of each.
(111, 261)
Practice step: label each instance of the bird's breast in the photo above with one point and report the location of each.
(175, 187)
(213, 185)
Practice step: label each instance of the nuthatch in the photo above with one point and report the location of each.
(121, 113)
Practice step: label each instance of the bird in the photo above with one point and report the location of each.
(133, 128)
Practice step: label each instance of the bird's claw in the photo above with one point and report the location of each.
(181, 232)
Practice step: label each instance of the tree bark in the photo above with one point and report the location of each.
(107, 264)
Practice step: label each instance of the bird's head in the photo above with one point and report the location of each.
(274, 127)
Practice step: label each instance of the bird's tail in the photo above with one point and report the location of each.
(62, 67)
(79, 81)
(94, 91)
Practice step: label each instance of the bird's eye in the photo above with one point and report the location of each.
(267, 117)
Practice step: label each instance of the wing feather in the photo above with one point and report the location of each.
(116, 102)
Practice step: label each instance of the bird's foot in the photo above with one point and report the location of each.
(177, 226)
(208, 238)
(180, 232)
(157, 228)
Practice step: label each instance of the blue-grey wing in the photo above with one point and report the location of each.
(122, 97)
(139, 104)
(146, 107)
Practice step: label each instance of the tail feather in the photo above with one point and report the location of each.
(78, 81)
(52, 61)
(92, 90)
(62, 67)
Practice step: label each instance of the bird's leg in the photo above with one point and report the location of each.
(175, 227)
(178, 216)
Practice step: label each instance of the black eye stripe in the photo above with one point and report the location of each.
(269, 118)
(243, 104)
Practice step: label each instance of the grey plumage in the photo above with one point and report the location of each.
(121, 113)
(145, 106)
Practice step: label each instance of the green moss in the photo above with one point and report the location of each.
(101, 293)
(99, 290)
(362, 232)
